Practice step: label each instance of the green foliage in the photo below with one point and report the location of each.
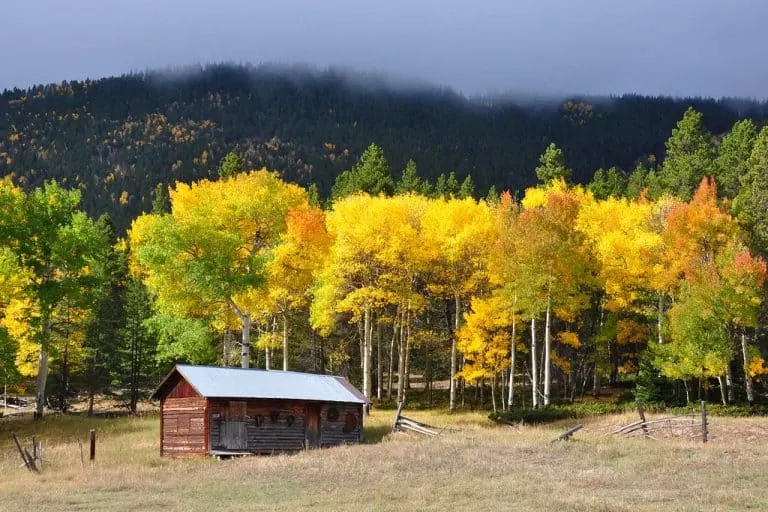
(161, 203)
(750, 202)
(689, 156)
(182, 339)
(559, 412)
(371, 174)
(230, 165)
(552, 165)
(608, 183)
(467, 189)
(313, 193)
(733, 154)
(492, 197)
(447, 186)
(410, 181)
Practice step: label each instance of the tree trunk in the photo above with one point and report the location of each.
(457, 316)
(285, 342)
(687, 392)
(42, 369)
(660, 317)
(395, 324)
(723, 398)
(408, 347)
(512, 360)
(225, 349)
(63, 395)
(729, 383)
(493, 392)
(366, 355)
(747, 377)
(401, 361)
(547, 358)
(534, 366)
(245, 351)
(379, 363)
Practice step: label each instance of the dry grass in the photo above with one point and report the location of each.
(479, 467)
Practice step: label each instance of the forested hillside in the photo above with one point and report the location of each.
(648, 273)
(116, 138)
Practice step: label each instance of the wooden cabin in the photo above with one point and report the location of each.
(206, 410)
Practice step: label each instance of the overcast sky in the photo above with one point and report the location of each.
(677, 47)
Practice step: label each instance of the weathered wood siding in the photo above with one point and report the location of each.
(269, 425)
(347, 428)
(184, 426)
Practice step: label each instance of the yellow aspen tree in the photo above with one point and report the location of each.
(462, 231)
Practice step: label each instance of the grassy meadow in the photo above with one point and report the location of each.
(472, 465)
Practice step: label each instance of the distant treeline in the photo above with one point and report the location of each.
(116, 138)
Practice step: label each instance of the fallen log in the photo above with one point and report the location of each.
(568, 433)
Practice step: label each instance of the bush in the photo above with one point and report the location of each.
(559, 412)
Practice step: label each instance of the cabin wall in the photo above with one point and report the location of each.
(257, 426)
(346, 428)
(183, 426)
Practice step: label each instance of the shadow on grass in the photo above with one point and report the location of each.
(374, 434)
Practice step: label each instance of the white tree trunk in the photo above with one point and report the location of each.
(534, 366)
(401, 360)
(366, 355)
(729, 384)
(512, 360)
(723, 398)
(245, 352)
(407, 381)
(747, 377)
(452, 403)
(285, 342)
(42, 378)
(379, 363)
(660, 317)
(395, 324)
(493, 392)
(547, 351)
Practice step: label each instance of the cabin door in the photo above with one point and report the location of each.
(233, 429)
(313, 426)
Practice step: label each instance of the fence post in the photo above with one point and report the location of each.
(641, 412)
(704, 425)
(92, 435)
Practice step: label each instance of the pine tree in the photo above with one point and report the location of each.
(467, 189)
(371, 174)
(689, 156)
(552, 165)
(230, 165)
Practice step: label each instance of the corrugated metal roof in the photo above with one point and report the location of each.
(218, 382)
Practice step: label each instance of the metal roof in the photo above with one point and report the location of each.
(218, 382)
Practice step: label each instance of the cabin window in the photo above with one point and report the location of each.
(290, 419)
(332, 414)
(350, 422)
(274, 416)
(257, 419)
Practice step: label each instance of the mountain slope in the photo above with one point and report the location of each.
(116, 138)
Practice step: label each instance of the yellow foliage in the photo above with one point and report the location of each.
(756, 366)
(623, 239)
(560, 362)
(485, 339)
(629, 331)
(569, 338)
